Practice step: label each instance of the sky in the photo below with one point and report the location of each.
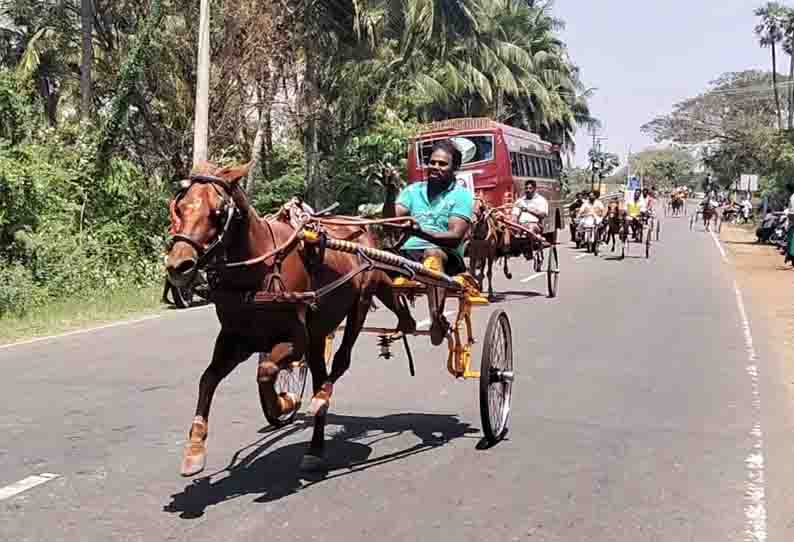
(643, 56)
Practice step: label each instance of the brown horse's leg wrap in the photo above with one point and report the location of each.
(267, 369)
(322, 400)
(194, 456)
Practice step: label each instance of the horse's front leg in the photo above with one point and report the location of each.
(226, 356)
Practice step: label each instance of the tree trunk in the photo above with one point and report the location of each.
(790, 88)
(256, 151)
(774, 83)
(86, 22)
(310, 141)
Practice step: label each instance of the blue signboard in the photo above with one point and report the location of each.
(633, 184)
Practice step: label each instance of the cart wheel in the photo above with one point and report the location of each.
(692, 223)
(553, 271)
(648, 244)
(623, 250)
(496, 377)
(291, 380)
(658, 230)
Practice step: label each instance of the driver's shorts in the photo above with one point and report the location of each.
(453, 266)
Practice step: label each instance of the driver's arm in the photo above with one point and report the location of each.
(458, 227)
(401, 211)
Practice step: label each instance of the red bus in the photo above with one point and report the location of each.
(497, 160)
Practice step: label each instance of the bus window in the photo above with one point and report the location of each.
(531, 170)
(546, 172)
(514, 164)
(475, 148)
(524, 165)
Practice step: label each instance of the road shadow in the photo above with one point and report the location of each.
(509, 295)
(276, 474)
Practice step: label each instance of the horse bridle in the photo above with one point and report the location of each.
(228, 212)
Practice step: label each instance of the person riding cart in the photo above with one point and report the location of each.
(443, 212)
(532, 209)
(637, 212)
(573, 211)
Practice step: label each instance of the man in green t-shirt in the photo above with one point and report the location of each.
(443, 210)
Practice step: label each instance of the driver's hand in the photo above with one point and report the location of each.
(390, 174)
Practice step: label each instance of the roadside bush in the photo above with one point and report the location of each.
(19, 292)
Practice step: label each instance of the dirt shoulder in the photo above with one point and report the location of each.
(769, 283)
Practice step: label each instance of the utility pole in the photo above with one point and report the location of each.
(593, 155)
(201, 123)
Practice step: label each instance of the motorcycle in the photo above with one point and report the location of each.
(588, 232)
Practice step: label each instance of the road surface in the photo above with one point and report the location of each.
(646, 408)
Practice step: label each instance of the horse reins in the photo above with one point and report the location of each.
(280, 251)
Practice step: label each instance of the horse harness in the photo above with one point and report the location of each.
(313, 254)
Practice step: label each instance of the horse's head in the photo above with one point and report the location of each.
(202, 214)
(480, 217)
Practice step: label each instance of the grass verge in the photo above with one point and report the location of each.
(82, 311)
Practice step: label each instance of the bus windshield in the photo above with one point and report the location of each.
(475, 148)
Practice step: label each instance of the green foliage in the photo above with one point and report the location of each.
(286, 167)
(353, 173)
(19, 292)
(64, 231)
(17, 109)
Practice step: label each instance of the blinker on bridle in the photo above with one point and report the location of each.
(229, 208)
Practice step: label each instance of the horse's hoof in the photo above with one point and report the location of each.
(313, 463)
(193, 463)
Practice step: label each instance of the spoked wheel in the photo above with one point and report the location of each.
(496, 377)
(289, 380)
(648, 244)
(658, 230)
(553, 271)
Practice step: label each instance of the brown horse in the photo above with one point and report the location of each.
(677, 204)
(216, 227)
(489, 241)
(615, 224)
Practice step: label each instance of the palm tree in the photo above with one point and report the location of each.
(770, 31)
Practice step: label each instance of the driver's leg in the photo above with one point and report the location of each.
(436, 259)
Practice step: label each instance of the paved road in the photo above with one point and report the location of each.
(635, 418)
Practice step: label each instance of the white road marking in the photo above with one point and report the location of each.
(79, 331)
(755, 493)
(533, 277)
(26, 483)
(191, 309)
(580, 256)
(426, 323)
(719, 246)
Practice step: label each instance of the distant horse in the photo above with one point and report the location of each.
(677, 205)
(488, 241)
(216, 227)
(616, 225)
